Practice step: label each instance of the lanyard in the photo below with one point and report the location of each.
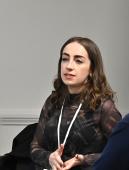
(71, 123)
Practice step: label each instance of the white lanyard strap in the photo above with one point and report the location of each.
(59, 122)
(69, 128)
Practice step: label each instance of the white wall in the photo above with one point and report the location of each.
(31, 34)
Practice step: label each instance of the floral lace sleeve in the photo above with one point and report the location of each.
(39, 153)
(109, 118)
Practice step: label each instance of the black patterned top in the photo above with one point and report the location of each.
(87, 136)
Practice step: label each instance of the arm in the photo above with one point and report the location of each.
(39, 153)
(110, 116)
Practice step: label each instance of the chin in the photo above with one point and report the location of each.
(69, 83)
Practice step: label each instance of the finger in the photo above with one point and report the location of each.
(60, 149)
(54, 168)
(62, 146)
(66, 167)
(76, 156)
(80, 158)
(57, 166)
(55, 160)
(59, 160)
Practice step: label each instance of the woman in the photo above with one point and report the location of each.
(79, 115)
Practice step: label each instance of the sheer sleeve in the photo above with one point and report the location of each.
(39, 152)
(109, 117)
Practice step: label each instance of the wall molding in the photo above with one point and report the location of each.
(23, 119)
(19, 118)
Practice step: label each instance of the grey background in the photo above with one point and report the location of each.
(31, 35)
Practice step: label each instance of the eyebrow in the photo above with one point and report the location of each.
(76, 56)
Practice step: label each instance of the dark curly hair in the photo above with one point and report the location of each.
(96, 88)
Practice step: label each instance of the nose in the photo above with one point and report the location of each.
(70, 65)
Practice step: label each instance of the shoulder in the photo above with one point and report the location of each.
(47, 106)
(108, 108)
(48, 100)
(107, 104)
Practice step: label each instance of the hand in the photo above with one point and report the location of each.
(55, 158)
(77, 160)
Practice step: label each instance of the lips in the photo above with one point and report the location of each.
(69, 76)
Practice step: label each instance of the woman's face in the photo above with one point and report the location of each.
(75, 67)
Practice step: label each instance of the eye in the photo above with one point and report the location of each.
(64, 59)
(79, 61)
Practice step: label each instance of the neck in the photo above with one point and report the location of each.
(75, 90)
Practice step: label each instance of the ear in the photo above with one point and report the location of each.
(90, 74)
